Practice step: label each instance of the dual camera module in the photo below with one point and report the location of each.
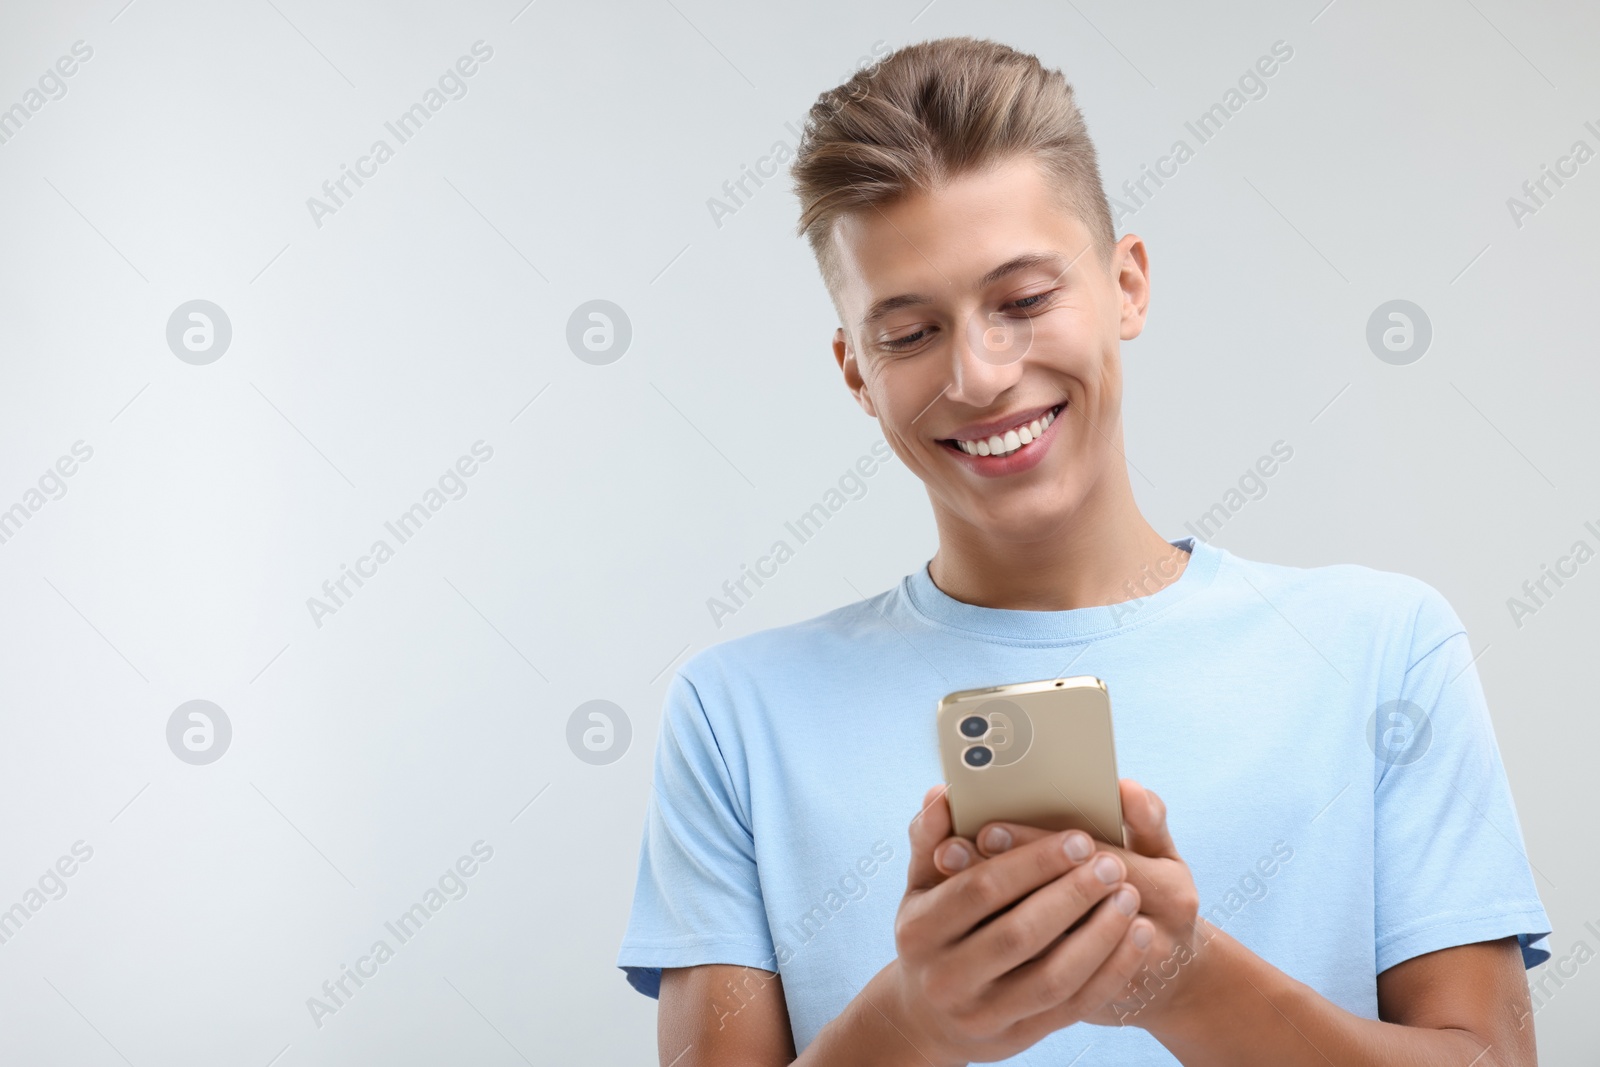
(996, 733)
(974, 727)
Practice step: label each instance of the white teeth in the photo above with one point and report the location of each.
(1011, 440)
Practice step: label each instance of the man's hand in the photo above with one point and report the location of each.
(1206, 997)
(1167, 898)
(996, 956)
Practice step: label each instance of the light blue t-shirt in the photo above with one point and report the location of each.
(1319, 735)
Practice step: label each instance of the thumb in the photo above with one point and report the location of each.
(931, 826)
(1144, 816)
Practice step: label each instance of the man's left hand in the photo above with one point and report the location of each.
(1167, 895)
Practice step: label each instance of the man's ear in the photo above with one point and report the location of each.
(845, 356)
(1132, 264)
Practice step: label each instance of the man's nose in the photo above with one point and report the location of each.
(986, 357)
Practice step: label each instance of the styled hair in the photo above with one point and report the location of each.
(933, 111)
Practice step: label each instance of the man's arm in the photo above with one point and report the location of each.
(1445, 1007)
(1214, 1003)
(720, 1014)
(725, 1016)
(988, 961)
(1450, 1008)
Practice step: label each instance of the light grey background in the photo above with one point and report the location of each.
(430, 312)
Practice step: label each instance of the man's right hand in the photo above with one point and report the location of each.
(986, 967)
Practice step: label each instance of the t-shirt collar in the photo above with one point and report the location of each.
(935, 606)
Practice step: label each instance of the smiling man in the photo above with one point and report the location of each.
(1323, 861)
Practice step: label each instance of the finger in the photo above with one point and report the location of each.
(972, 896)
(1030, 927)
(1148, 873)
(997, 837)
(954, 855)
(1144, 815)
(1012, 834)
(1114, 983)
(931, 826)
(1059, 977)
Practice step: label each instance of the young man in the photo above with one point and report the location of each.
(1333, 870)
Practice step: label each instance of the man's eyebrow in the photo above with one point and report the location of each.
(1025, 261)
(1017, 263)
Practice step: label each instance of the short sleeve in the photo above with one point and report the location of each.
(1450, 864)
(697, 899)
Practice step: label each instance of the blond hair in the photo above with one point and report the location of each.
(933, 111)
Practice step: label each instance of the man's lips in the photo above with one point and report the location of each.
(1000, 455)
(1009, 441)
(979, 430)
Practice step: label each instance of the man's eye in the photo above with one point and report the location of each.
(1028, 303)
(900, 344)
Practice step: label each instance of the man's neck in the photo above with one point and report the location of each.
(1107, 553)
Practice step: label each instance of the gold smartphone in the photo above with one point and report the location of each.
(1036, 753)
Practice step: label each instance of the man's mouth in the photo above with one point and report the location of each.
(1009, 441)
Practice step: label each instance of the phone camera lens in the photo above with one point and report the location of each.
(974, 726)
(978, 756)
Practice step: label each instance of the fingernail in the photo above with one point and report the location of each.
(956, 858)
(1108, 870)
(1078, 847)
(998, 839)
(1123, 901)
(1141, 935)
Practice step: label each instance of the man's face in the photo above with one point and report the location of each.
(970, 356)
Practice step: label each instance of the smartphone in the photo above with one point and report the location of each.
(1036, 753)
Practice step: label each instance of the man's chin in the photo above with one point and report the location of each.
(1023, 521)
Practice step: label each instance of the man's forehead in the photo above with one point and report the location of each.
(869, 291)
(883, 255)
